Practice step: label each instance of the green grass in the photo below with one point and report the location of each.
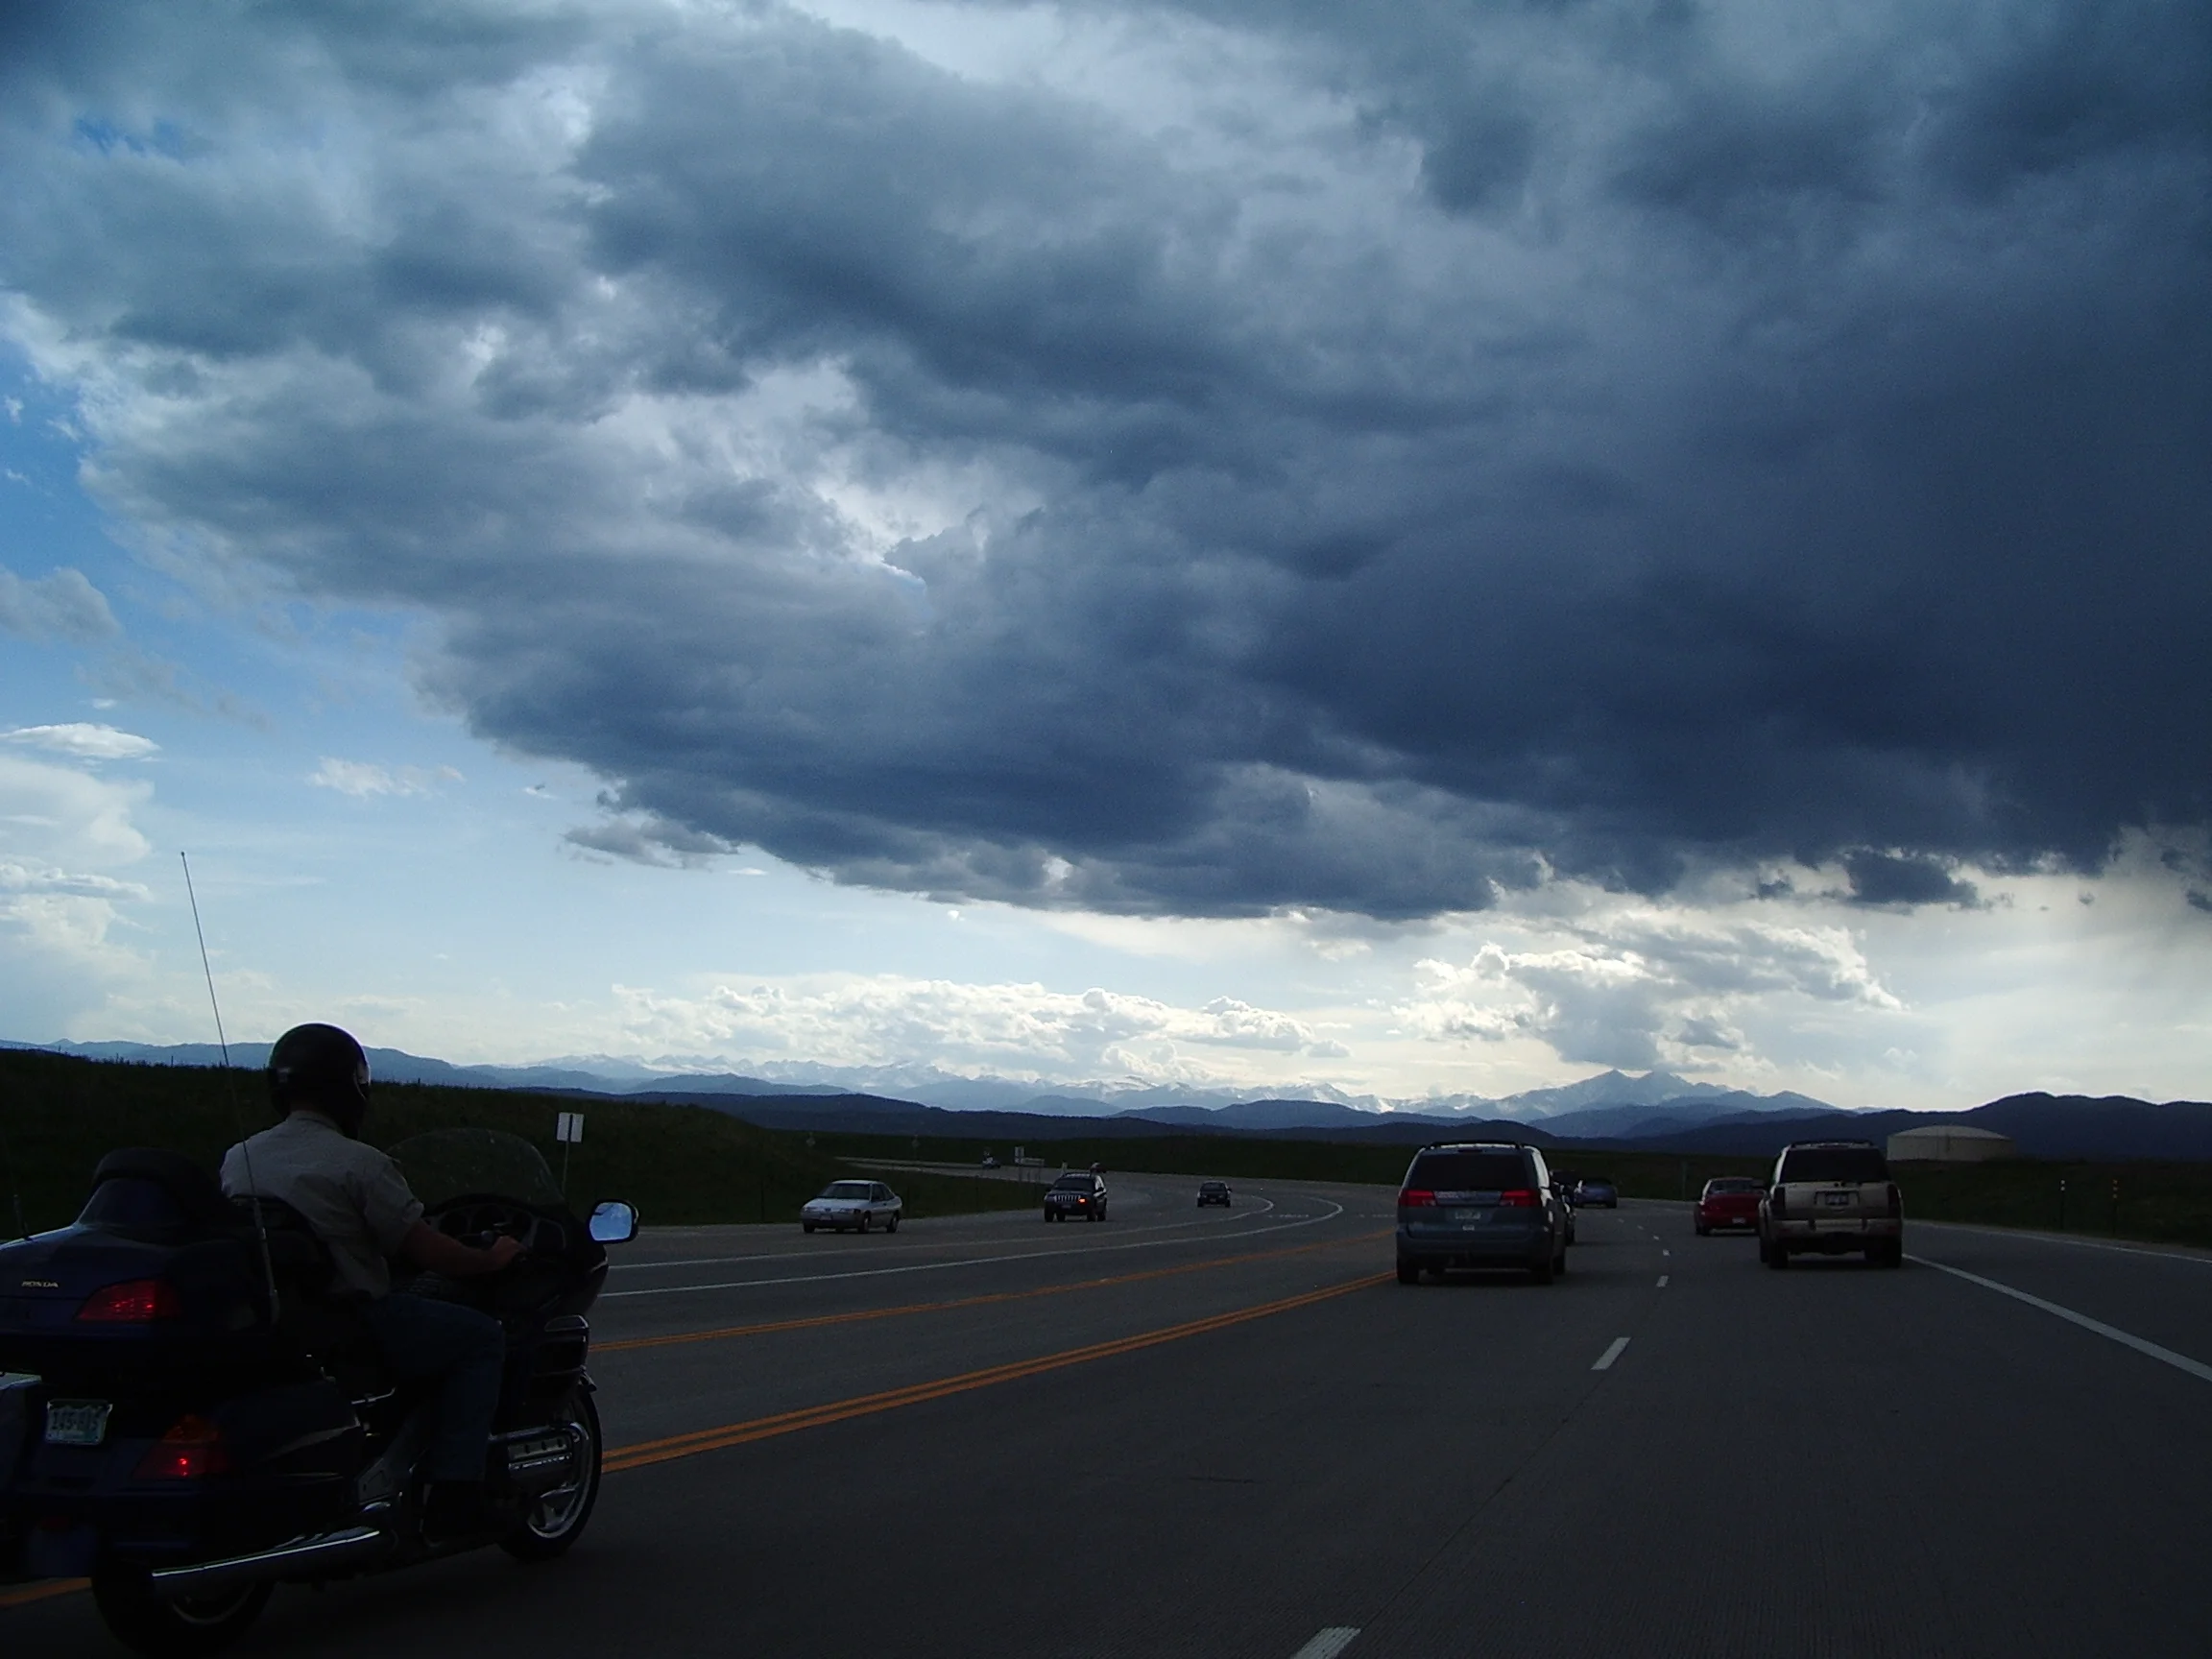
(679, 1164)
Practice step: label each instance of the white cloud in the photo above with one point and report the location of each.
(1641, 985)
(1018, 1029)
(66, 818)
(363, 779)
(84, 741)
(59, 829)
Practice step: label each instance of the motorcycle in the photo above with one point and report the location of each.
(189, 1417)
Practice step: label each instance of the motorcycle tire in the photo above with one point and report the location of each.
(552, 1527)
(162, 1630)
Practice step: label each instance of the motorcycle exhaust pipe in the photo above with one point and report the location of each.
(323, 1553)
(539, 1459)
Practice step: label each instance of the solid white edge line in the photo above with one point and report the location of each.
(2180, 1362)
(2033, 1237)
(1329, 1643)
(1611, 1354)
(963, 1262)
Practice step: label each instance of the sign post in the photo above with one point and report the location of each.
(568, 1130)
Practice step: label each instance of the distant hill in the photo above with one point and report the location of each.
(2101, 1129)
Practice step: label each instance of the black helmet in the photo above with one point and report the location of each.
(321, 1067)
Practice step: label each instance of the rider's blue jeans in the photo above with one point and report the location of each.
(467, 1349)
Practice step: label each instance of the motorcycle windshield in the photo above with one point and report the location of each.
(447, 1163)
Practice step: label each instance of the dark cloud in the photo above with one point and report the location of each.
(1598, 438)
(1886, 878)
(62, 605)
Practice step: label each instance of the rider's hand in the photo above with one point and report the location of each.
(503, 1251)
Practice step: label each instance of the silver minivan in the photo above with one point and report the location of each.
(1480, 1204)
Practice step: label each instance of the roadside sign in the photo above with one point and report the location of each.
(568, 1128)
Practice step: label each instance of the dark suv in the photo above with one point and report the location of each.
(1075, 1194)
(1480, 1204)
(1834, 1197)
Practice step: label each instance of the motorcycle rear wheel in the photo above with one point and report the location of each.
(557, 1520)
(144, 1623)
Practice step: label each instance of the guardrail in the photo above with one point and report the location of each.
(1027, 1174)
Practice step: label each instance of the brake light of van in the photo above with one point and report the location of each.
(133, 1302)
(1518, 1198)
(1416, 1197)
(192, 1448)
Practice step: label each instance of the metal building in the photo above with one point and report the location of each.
(1950, 1143)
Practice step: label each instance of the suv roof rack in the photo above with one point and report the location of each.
(1477, 1147)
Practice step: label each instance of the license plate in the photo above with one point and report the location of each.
(77, 1422)
(1470, 1214)
(1836, 1199)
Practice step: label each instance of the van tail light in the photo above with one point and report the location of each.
(1777, 1203)
(1416, 1198)
(1518, 1198)
(192, 1448)
(133, 1302)
(1896, 1201)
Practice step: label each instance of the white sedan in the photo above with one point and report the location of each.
(857, 1204)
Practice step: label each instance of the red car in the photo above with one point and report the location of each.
(1729, 1203)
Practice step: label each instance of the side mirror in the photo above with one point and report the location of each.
(614, 1223)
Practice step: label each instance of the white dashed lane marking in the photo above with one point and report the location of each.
(1611, 1354)
(1662, 1281)
(1329, 1643)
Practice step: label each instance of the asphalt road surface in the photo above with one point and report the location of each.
(1207, 1433)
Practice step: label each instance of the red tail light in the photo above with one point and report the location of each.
(133, 1302)
(1416, 1197)
(192, 1448)
(1518, 1198)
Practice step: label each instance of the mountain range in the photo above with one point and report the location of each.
(1609, 1102)
(1655, 1112)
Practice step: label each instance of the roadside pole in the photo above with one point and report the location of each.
(568, 1130)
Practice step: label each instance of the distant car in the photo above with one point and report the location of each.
(1729, 1204)
(1075, 1193)
(1564, 1190)
(1213, 1192)
(1097, 1169)
(855, 1204)
(989, 1162)
(1834, 1197)
(1480, 1204)
(1597, 1192)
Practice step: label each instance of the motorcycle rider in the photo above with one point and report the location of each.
(358, 1204)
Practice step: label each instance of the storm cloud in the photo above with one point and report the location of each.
(1370, 459)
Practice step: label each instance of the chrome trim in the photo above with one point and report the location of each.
(302, 1555)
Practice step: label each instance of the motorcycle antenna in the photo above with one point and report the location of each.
(237, 1111)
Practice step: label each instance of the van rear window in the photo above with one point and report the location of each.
(1469, 1171)
(1834, 1164)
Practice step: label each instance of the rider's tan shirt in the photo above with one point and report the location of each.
(351, 1194)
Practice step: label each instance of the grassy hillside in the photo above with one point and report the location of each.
(677, 1163)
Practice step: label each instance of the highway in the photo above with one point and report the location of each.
(1208, 1432)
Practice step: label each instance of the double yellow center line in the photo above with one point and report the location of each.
(817, 1321)
(700, 1440)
